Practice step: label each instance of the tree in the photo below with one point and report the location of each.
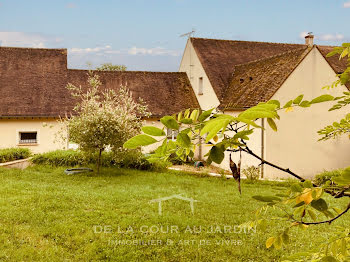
(111, 67)
(303, 204)
(103, 118)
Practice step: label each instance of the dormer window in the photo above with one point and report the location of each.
(200, 86)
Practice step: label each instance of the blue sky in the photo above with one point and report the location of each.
(144, 35)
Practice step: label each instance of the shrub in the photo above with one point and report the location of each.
(125, 159)
(12, 154)
(251, 172)
(61, 158)
(325, 176)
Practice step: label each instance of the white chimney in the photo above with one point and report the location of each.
(309, 39)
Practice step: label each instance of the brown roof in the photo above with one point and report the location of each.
(226, 62)
(32, 84)
(338, 66)
(258, 81)
(219, 57)
(164, 93)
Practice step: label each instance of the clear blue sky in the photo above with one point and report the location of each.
(144, 34)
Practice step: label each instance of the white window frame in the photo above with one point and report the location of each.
(200, 86)
(27, 131)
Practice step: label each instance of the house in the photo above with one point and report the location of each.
(34, 97)
(236, 75)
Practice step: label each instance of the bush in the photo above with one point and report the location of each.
(325, 176)
(12, 154)
(251, 172)
(125, 159)
(61, 158)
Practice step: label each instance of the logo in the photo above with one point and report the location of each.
(160, 200)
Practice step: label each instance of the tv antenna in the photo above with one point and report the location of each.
(189, 34)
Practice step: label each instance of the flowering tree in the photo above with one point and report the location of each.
(103, 118)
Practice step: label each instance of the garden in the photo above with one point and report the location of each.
(133, 208)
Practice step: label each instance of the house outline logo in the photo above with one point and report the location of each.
(160, 200)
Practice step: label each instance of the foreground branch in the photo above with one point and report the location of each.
(326, 221)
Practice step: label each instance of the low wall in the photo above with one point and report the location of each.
(21, 164)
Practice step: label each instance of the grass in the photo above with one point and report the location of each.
(46, 215)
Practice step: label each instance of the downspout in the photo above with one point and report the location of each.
(262, 145)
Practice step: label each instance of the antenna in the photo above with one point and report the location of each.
(189, 34)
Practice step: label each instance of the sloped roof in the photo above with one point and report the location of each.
(258, 81)
(219, 57)
(165, 93)
(338, 66)
(32, 84)
(227, 63)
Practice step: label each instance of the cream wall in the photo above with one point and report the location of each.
(295, 145)
(191, 65)
(46, 130)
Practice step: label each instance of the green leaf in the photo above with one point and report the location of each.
(297, 100)
(266, 198)
(183, 140)
(305, 103)
(205, 115)
(194, 115)
(296, 188)
(153, 131)
(217, 154)
(275, 102)
(285, 237)
(320, 205)
(312, 214)
(170, 122)
(288, 104)
(322, 98)
(272, 124)
(139, 140)
(278, 242)
(307, 184)
(213, 126)
(329, 259)
(186, 121)
(269, 242)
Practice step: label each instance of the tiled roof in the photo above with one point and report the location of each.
(32, 84)
(230, 65)
(219, 57)
(338, 65)
(164, 93)
(258, 81)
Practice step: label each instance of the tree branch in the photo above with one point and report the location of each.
(326, 221)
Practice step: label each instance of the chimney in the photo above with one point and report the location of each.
(309, 39)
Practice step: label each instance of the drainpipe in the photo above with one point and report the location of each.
(262, 146)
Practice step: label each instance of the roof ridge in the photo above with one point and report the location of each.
(127, 71)
(31, 48)
(245, 41)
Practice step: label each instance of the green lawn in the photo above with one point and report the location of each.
(46, 215)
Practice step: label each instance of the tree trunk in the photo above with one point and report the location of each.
(99, 161)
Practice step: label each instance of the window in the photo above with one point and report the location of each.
(28, 137)
(200, 86)
(172, 134)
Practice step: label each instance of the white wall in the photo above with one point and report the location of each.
(191, 65)
(295, 145)
(46, 131)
